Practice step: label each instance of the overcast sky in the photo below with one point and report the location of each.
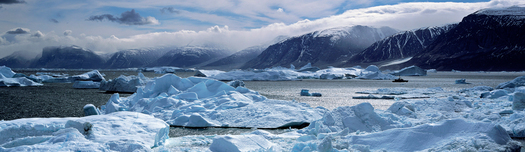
(106, 26)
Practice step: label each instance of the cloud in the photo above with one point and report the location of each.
(223, 33)
(53, 20)
(280, 10)
(38, 34)
(18, 31)
(128, 18)
(169, 10)
(11, 1)
(67, 32)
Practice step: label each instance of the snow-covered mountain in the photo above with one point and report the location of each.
(134, 58)
(489, 39)
(237, 59)
(398, 46)
(19, 59)
(321, 48)
(68, 57)
(190, 57)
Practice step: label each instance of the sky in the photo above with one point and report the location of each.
(107, 26)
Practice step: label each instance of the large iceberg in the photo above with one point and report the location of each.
(119, 131)
(6, 72)
(8, 79)
(517, 82)
(126, 84)
(203, 102)
(410, 71)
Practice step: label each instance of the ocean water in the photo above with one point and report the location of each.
(62, 100)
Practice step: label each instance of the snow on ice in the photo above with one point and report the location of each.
(127, 84)
(119, 131)
(307, 72)
(7, 79)
(94, 75)
(203, 102)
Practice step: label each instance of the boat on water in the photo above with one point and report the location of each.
(400, 80)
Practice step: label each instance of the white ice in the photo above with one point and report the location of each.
(166, 69)
(124, 83)
(120, 131)
(203, 102)
(7, 80)
(307, 72)
(208, 73)
(94, 75)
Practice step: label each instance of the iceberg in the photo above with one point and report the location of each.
(204, 102)
(517, 82)
(228, 143)
(450, 135)
(207, 73)
(8, 79)
(86, 85)
(119, 131)
(410, 71)
(6, 72)
(124, 84)
(285, 74)
(17, 82)
(94, 75)
(166, 69)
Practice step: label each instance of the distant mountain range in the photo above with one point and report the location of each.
(321, 48)
(487, 40)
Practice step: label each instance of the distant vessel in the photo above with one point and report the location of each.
(400, 80)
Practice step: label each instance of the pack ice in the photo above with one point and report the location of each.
(307, 72)
(94, 75)
(119, 131)
(8, 78)
(203, 102)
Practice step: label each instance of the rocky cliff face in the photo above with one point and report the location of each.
(190, 57)
(398, 46)
(491, 39)
(135, 58)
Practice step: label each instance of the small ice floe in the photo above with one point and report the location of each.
(124, 84)
(462, 81)
(305, 92)
(86, 85)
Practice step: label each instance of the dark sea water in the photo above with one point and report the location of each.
(62, 100)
